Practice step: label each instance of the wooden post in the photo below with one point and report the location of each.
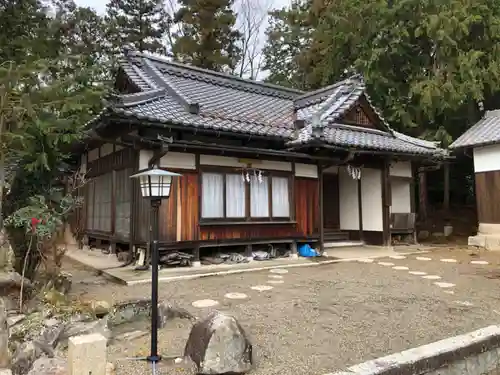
(132, 233)
(360, 210)
(321, 209)
(446, 196)
(248, 252)
(196, 255)
(386, 203)
(422, 195)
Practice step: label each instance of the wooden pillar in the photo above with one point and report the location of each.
(422, 195)
(112, 248)
(321, 210)
(360, 209)
(446, 195)
(133, 186)
(248, 252)
(386, 203)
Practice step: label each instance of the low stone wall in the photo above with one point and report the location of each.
(129, 311)
(475, 353)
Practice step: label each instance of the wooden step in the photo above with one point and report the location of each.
(335, 235)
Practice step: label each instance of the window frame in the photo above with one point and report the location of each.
(224, 171)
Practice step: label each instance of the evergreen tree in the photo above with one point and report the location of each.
(287, 36)
(22, 23)
(207, 37)
(139, 24)
(49, 91)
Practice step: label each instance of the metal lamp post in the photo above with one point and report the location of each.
(155, 184)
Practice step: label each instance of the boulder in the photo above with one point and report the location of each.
(4, 336)
(13, 280)
(24, 357)
(85, 328)
(50, 335)
(49, 366)
(219, 345)
(168, 312)
(100, 308)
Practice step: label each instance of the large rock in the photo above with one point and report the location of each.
(4, 336)
(49, 366)
(219, 345)
(85, 328)
(168, 312)
(10, 280)
(25, 356)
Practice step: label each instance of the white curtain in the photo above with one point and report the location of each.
(280, 197)
(259, 197)
(212, 196)
(235, 196)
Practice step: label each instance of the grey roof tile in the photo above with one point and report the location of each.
(485, 131)
(170, 91)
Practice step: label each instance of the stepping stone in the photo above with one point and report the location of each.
(236, 295)
(423, 258)
(276, 281)
(275, 276)
(444, 285)
(386, 264)
(261, 288)
(464, 303)
(478, 262)
(417, 273)
(449, 260)
(431, 277)
(278, 270)
(400, 268)
(205, 303)
(367, 260)
(397, 257)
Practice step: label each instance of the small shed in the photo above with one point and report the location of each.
(484, 141)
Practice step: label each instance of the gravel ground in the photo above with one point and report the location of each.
(327, 317)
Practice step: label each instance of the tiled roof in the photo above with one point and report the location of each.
(177, 94)
(486, 131)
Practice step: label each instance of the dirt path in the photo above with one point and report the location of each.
(326, 317)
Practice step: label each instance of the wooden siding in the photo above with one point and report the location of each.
(307, 206)
(358, 116)
(107, 194)
(168, 215)
(189, 198)
(488, 197)
(248, 232)
(182, 211)
(122, 214)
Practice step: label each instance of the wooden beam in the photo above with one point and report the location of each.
(113, 209)
(386, 203)
(360, 210)
(446, 196)
(321, 213)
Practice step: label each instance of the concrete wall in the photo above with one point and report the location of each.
(371, 195)
(474, 353)
(487, 158)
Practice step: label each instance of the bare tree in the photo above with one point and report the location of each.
(251, 22)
